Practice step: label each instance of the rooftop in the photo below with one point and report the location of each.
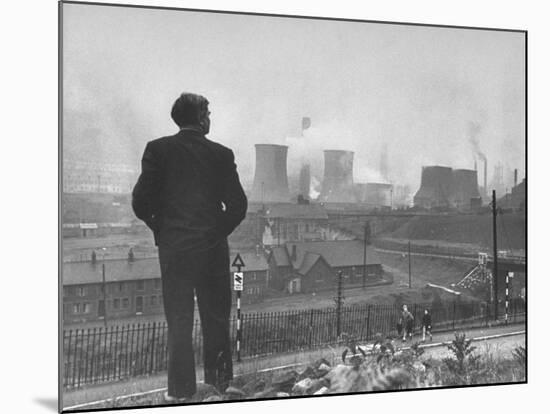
(337, 253)
(119, 270)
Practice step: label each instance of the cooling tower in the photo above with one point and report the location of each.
(304, 181)
(270, 177)
(436, 187)
(338, 177)
(464, 188)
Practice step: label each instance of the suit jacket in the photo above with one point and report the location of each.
(189, 193)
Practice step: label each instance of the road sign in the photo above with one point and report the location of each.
(238, 261)
(238, 281)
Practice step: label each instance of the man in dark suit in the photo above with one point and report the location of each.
(190, 196)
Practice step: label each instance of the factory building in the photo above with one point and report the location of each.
(374, 194)
(87, 177)
(294, 222)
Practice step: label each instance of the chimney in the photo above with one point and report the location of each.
(338, 177)
(515, 177)
(485, 177)
(270, 176)
(305, 181)
(293, 255)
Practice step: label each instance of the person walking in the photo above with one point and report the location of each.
(190, 196)
(408, 320)
(426, 325)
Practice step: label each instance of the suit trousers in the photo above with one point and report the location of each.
(204, 273)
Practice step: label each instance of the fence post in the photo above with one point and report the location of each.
(151, 365)
(310, 327)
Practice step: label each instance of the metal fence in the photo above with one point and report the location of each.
(98, 355)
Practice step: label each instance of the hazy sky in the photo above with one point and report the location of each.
(430, 94)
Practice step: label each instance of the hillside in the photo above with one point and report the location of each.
(470, 229)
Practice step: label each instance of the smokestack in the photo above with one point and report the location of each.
(485, 177)
(464, 188)
(270, 176)
(435, 187)
(338, 177)
(304, 181)
(515, 177)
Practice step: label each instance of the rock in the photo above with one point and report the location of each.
(317, 384)
(320, 362)
(212, 398)
(323, 367)
(254, 386)
(284, 381)
(283, 394)
(301, 387)
(235, 393)
(204, 391)
(321, 391)
(267, 393)
(309, 372)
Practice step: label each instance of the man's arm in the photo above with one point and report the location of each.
(233, 197)
(145, 196)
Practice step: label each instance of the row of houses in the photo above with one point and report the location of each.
(122, 288)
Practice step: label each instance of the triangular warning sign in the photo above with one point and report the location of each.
(238, 261)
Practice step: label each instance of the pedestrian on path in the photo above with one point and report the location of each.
(408, 321)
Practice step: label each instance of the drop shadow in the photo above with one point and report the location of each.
(50, 403)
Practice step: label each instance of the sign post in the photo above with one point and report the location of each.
(238, 282)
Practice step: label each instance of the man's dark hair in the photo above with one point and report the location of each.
(189, 109)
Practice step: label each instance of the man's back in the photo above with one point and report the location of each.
(187, 182)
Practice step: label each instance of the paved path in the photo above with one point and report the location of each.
(157, 383)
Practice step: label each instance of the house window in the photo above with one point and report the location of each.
(85, 308)
(160, 300)
(120, 286)
(125, 303)
(140, 285)
(81, 291)
(157, 284)
(153, 300)
(76, 307)
(116, 303)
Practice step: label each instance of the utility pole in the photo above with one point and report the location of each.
(339, 299)
(495, 254)
(365, 256)
(104, 286)
(409, 250)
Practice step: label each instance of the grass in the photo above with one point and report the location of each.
(388, 368)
